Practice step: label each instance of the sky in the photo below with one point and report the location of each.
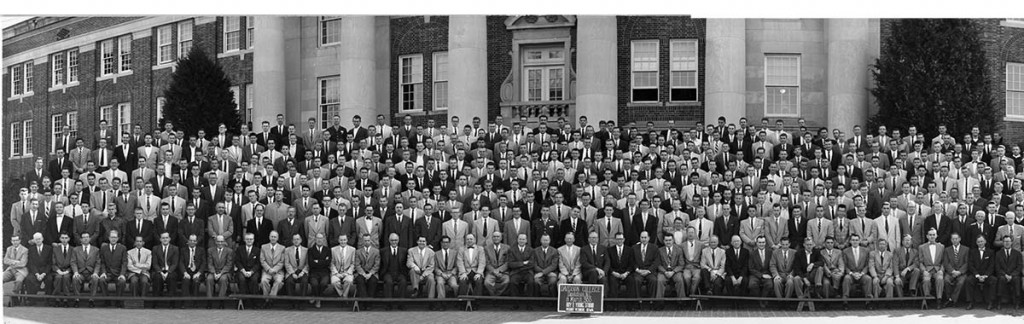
(7, 21)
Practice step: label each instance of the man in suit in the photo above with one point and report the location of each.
(760, 278)
(332, 266)
(670, 269)
(221, 224)
(737, 265)
(455, 229)
(396, 224)
(429, 227)
(782, 270)
(520, 267)
(165, 269)
(955, 269)
(193, 266)
(569, 269)
(296, 266)
(367, 266)
(1008, 273)
(472, 266)
(856, 259)
(420, 262)
(516, 226)
(606, 227)
(981, 278)
(497, 278)
(63, 257)
(220, 265)
(576, 225)
(191, 224)
(15, 262)
(393, 267)
(59, 225)
(593, 261)
(619, 265)
(113, 260)
(750, 229)
(446, 268)
(712, 269)
(85, 265)
(139, 262)
(166, 223)
(647, 261)
(290, 226)
(906, 269)
(931, 254)
(544, 268)
(260, 226)
(272, 262)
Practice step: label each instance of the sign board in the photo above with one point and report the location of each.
(580, 299)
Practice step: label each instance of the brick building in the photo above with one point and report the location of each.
(79, 70)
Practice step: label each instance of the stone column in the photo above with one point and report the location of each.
(357, 55)
(268, 69)
(597, 79)
(467, 73)
(847, 78)
(725, 70)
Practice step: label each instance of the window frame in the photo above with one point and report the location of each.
(633, 71)
(417, 101)
(797, 85)
(250, 30)
(160, 103)
(250, 101)
(124, 117)
(226, 33)
(545, 64)
(696, 70)
(17, 139)
(1014, 88)
(439, 81)
(26, 138)
(124, 53)
(21, 86)
(108, 57)
(326, 110)
(181, 41)
(164, 42)
(324, 23)
(57, 122)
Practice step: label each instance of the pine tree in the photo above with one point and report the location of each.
(200, 97)
(932, 72)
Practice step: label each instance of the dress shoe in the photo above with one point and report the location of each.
(969, 306)
(317, 304)
(989, 307)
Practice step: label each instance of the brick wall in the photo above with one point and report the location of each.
(1003, 44)
(48, 34)
(499, 62)
(664, 29)
(417, 35)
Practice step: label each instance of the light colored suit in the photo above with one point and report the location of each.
(446, 272)
(421, 268)
(931, 267)
(15, 265)
(342, 268)
(492, 226)
(673, 261)
(1014, 231)
(150, 206)
(891, 234)
(750, 229)
(880, 268)
(272, 262)
(374, 232)
(605, 236)
(221, 225)
(818, 232)
(569, 264)
(866, 229)
(712, 259)
(457, 234)
(781, 267)
(316, 225)
(139, 262)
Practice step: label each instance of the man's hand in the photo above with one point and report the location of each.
(103, 276)
(77, 276)
(463, 277)
(766, 276)
(537, 276)
(669, 274)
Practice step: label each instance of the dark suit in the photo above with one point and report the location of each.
(195, 227)
(579, 233)
(248, 261)
(737, 265)
(403, 228)
(190, 287)
(171, 227)
(286, 230)
(342, 225)
(146, 232)
(724, 231)
(114, 264)
(52, 235)
(39, 263)
(651, 227)
(262, 234)
(168, 262)
(431, 231)
(590, 261)
(394, 271)
(520, 271)
(1008, 262)
(614, 262)
(646, 261)
(796, 233)
(758, 285)
(944, 230)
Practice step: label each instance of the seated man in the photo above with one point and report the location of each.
(670, 269)
(296, 268)
(421, 268)
(247, 261)
(220, 262)
(40, 265)
(164, 270)
(760, 278)
(545, 268)
(497, 278)
(880, 268)
(63, 255)
(955, 268)
(647, 261)
(737, 267)
(520, 268)
(394, 269)
(593, 261)
(832, 268)
(569, 261)
(472, 265)
(980, 275)
(272, 264)
(856, 258)
(84, 265)
(15, 261)
(931, 265)
(1008, 273)
(712, 268)
(807, 267)
(782, 271)
(691, 251)
(619, 264)
(446, 268)
(140, 260)
(367, 267)
(321, 264)
(193, 267)
(906, 271)
(113, 258)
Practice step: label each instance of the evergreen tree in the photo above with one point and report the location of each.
(932, 72)
(200, 96)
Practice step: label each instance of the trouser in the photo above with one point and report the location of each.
(366, 287)
(418, 280)
(443, 284)
(736, 287)
(715, 284)
(341, 283)
(906, 280)
(651, 282)
(319, 281)
(119, 284)
(61, 284)
(615, 284)
(955, 285)
(267, 287)
(496, 284)
(759, 286)
(1009, 289)
(296, 286)
(831, 283)
(91, 278)
(878, 284)
(677, 282)
(691, 281)
(927, 282)
(159, 281)
(393, 281)
(521, 284)
(791, 283)
(221, 284)
(593, 277)
(17, 277)
(248, 285)
(981, 291)
(139, 283)
(545, 285)
(32, 284)
(472, 285)
(570, 279)
(190, 284)
(865, 283)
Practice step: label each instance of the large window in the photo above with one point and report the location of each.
(250, 101)
(544, 74)
(56, 126)
(119, 115)
(124, 45)
(644, 69)
(237, 95)
(184, 38)
(782, 85)
(330, 30)
(1015, 89)
(160, 103)
(108, 62)
(410, 85)
(683, 73)
(440, 80)
(330, 99)
(64, 67)
(26, 127)
(232, 33)
(17, 137)
(165, 45)
(250, 26)
(21, 79)
(72, 119)
(116, 55)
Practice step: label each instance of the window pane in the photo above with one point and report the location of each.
(645, 55)
(330, 99)
(73, 123)
(17, 84)
(124, 117)
(684, 55)
(250, 24)
(645, 95)
(16, 135)
(555, 84)
(782, 71)
(107, 52)
(231, 33)
(1014, 77)
(56, 124)
(28, 76)
(441, 66)
(411, 82)
(163, 36)
(533, 90)
(441, 95)
(59, 65)
(645, 79)
(184, 38)
(73, 65)
(125, 45)
(330, 30)
(250, 94)
(782, 100)
(27, 125)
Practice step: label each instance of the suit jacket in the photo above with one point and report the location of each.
(750, 229)
(294, 265)
(760, 266)
(674, 260)
(944, 230)
(446, 267)
(222, 262)
(858, 263)
(52, 234)
(113, 262)
(217, 226)
(395, 264)
(544, 262)
(171, 227)
(569, 260)
(737, 264)
(86, 263)
(286, 229)
(16, 259)
(579, 234)
(165, 261)
(403, 228)
(623, 263)
(474, 261)
(982, 264)
(782, 263)
(343, 225)
(880, 264)
(375, 232)
(589, 260)
(457, 233)
(431, 230)
(1007, 263)
(423, 261)
(262, 233)
(497, 258)
(955, 260)
(805, 258)
(928, 263)
(511, 234)
(195, 227)
(139, 261)
(341, 260)
(272, 258)
(605, 236)
(199, 258)
(367, 260)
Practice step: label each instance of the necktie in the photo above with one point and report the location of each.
(297, 255)
(445, 258)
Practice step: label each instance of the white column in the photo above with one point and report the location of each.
(467, 73)
(725, 75)
(847, 77)
(268, 69)
(356, 55)
(597, 78)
